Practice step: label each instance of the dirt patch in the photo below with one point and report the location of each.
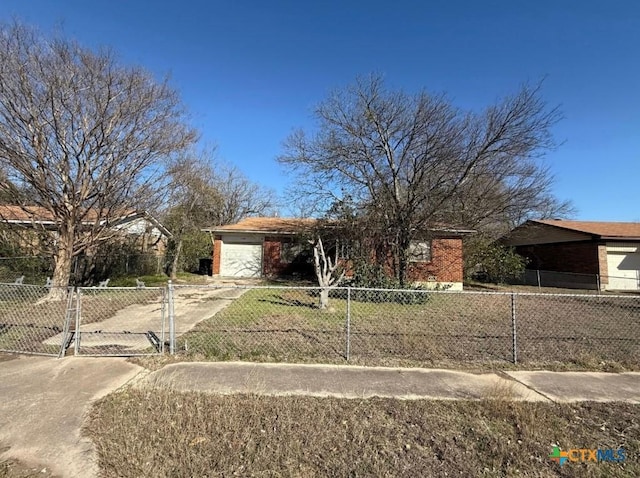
(16, 469)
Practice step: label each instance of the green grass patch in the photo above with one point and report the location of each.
(439, 330)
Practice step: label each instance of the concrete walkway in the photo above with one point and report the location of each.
(45, 400)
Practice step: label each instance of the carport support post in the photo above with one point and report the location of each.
(348, 325)
(172, 323)
(513, 328)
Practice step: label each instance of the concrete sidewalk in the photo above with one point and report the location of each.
(364, 382)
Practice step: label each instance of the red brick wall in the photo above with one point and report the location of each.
(602, 263)
(446, 263)
(217, 244)
(577, 257)
(271, 265)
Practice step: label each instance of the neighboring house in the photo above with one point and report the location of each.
(610, 251)
(146, 232)
(268, 247)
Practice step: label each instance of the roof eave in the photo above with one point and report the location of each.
(249, 231)
(620, 238)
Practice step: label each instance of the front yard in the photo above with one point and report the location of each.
(423, 329)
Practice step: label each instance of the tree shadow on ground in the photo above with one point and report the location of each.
(281, 300)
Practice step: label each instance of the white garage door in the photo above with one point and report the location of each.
(624, 270)
(240, 259)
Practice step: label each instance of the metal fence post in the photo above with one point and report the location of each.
(538, 277)
(514, 336)
(348, 327)
(76, 343)
(163, 314)
(172, 324)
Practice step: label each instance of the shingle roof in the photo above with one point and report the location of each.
(277, 225)
(283, 225)
(27, 215)
(35, 214)
(622, 230)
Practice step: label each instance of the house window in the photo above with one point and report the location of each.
(290, 251)
(419, 251)
(347, 249)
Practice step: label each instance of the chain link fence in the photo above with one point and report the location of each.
(31, 324)
(362, 326)
(594, 283)
(120, 321)
(272, 324)
(406, 327)
(27, 269)
(84, 269)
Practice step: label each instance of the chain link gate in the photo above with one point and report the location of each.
(119, 321)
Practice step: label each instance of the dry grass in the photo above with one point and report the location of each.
(159, 433)
(470, 330)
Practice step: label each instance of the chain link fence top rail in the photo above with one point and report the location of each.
(32, 320)
(592, 283)
(120, 321)
(32, 269)
(406, 327)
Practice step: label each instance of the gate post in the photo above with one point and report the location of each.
(76, 345)
(514, 336)
(348, 326)
(172, 324)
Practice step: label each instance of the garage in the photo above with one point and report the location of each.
(240, 257)
(623, 263)
(592, 253)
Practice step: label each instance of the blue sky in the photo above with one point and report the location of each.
(251, 71)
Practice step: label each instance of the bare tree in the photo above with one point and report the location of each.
(241, 196)
(83, 134)
(409, 162)
(205, 192)
(326, 271)
(193, 196)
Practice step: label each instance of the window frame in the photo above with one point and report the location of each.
(420, 256)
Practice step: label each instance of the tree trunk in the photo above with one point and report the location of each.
(176, 260)
(63, 261)
(325, 269)
(324, 298)
(404, 242)
(402, 267)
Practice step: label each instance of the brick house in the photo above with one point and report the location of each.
(270, 247)
(148, 234)
(609, 251)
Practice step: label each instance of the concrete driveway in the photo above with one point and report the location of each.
(43, 406)
(124, 332)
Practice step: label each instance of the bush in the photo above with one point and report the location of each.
(373, 276)
(490, 262)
